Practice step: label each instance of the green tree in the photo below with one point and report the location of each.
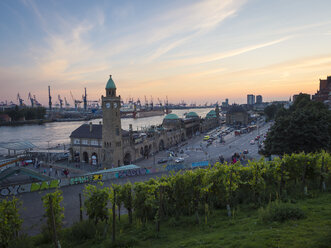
(53, 213)
(270, 111)
(126, 196)
(10, 222)
(306, 126)
(96, 202)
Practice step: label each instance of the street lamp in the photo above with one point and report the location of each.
(48, 159)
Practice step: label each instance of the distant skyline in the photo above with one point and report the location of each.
(196, 51)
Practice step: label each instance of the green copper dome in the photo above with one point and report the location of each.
(192, 115)
(211, 114)
(110, 84)
(171, 117)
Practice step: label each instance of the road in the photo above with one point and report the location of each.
(196, 150)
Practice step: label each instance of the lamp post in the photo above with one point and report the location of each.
(48, 159)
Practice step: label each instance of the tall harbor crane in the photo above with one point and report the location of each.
(36, 103)
(31, 99)
(76, 102)
(160, 102)
(49, 98)
(146, 102)
(84, 98)
(67, 105)
(20, 100)
(151, 104)
(60, 101)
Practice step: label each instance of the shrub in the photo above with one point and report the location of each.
(279, 211)
(83, 230)
(10, 221)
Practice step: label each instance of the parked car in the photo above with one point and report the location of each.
(252, 142)
(179, 160)
(162, 160)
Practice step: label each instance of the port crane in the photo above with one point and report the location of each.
(31, 99)
(160, 102)
(20, 100)
(49, 98)
(76, 102)
(84, 98)
(138, 103)
(36, 103)
(60, 101)
(146, 102)
(151, 104)
(67, 105)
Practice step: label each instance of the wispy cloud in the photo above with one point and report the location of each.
(191, 22)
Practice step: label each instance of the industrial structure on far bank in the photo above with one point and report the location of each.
(109, 145)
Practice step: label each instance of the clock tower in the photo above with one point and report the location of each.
(111, 129)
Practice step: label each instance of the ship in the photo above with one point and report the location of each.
(134, 111)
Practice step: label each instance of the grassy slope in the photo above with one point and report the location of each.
(244, 230)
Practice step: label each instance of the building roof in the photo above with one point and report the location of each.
(84, 132)
(192, 115)
(171, 117)
(211, 114)
(21, 145)
(235, 109)
(110, 83)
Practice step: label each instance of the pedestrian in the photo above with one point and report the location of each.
(50, 171)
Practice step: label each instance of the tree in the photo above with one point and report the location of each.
(271, 111)
(53, 213)
(96, 203)
(126, 195)
(10, 222)
(306, 126)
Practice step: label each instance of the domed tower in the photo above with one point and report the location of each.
(111, 129)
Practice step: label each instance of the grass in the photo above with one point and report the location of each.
(243, 230)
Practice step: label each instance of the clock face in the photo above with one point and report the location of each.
(115, 105)
(108, 105)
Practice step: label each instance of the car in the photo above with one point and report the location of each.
(179, 160)
(252, 142)
(162, 160)
(206, 138)
(257, 137)
(245, 152)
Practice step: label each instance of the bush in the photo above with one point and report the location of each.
(23, 241)
(83, 230)
(279, 211)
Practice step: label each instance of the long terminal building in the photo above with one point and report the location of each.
(107, 144)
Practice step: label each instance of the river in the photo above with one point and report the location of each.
(58, 132)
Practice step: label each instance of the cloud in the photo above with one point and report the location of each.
(224, 55)
(190, 22)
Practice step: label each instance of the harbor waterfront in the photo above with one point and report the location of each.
(57, 133)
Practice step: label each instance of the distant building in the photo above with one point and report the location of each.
(250, 99)
(259, 99)
(226, 103)
(237, 115)
(323, 93)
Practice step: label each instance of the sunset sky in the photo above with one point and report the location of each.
(196, 51)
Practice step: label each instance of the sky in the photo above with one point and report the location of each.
(186, 50)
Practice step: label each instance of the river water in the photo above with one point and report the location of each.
(58, 132)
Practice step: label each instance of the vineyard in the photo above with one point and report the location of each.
(195, 194)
